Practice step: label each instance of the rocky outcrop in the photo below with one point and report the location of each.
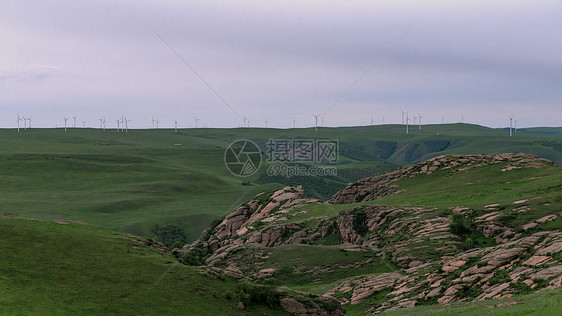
(433, 263)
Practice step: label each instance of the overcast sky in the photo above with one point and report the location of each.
(280, 61)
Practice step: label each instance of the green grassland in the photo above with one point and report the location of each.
(546, 302)
(148, 177)
(47, 268)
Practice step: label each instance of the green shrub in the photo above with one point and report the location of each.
(196, 257)
(459, 225)
(520, 288)
(426, 301)
(500, 276)
(169, 234)
(469, 243)
(541, 283)
(251, 293)
(469, 291)
(360, 222)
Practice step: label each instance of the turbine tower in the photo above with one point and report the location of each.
(316, 121)
(104, 121)
(407, 122)
(83, 124)
(118, 121)
(29, 119)
(402, 117)
(176, 126)
(419, 119)
(65, 120)
(196, 121)
(372, 121)
(265, 123)
(126, 124)
(74, 124)
(510, 126)
(515, 126)
(18, 121)
(101, 122)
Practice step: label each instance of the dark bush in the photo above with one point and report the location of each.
(251, 293)
(360, 222)
(195, 257)
(459, 225)
(169, 234)
(520, 288)
(500, 276)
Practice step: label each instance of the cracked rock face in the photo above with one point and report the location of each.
(444, 275)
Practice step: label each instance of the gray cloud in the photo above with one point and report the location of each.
(280, 60)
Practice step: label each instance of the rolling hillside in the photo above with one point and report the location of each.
(130, 182)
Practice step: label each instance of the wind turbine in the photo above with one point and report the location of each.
(383, 119)
(402, 117)
(83, 124)
(29, 119)
(462, 118)
(407, 122)
(101, 122)
(176, 126)
(126, 124)
(104, 121)
(74, 125)
(415, 119)
(420, 118)
(18, 121)
(244, 118)
(510, 124)
(294, 123)
(157, 121)
(515, 126)
(316, 121)
(65, 120)
(196, 121)
(118, 121)
(265, 123)
(442, 120)
(372, 121)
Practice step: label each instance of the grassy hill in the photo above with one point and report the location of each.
(148, 177)
(51, 268)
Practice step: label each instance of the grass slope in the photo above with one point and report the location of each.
(50, 268)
